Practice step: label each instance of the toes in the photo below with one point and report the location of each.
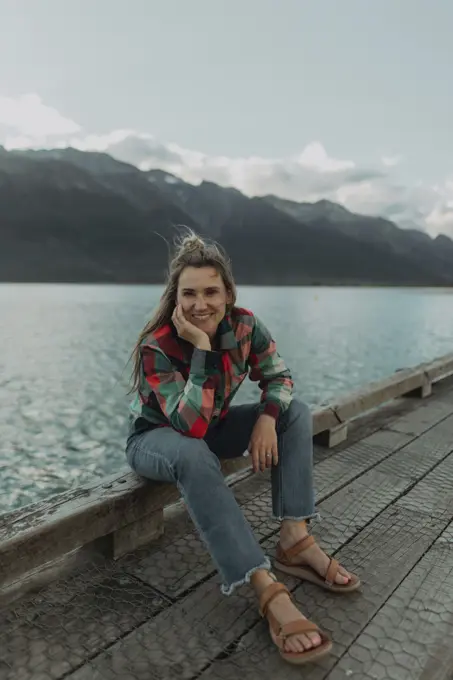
(301, 643)
(305, 640)
(342, 576)
(315, 639)
(295, 644)
(298, 643)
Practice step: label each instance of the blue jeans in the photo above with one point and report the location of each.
(193, 465)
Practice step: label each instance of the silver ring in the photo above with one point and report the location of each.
(268, 455)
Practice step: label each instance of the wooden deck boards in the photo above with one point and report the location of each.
(386, 503)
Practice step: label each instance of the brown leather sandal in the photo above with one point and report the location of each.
(284, 563)
(282, 632)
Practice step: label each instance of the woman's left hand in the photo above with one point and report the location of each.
(263, 443)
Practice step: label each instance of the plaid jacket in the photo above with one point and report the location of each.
(188, 389)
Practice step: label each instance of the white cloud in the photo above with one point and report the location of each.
(308, 175)
(391, 161)
(27, 118)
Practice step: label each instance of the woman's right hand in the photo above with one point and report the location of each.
(188, 331)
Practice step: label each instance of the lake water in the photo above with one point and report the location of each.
(64, 348)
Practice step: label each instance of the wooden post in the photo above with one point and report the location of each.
(421, 392)
(132, 536)
(332, 437)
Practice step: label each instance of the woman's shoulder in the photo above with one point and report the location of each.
(240, 316)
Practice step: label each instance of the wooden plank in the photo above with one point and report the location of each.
(434, 494)
(47, 530)
(412, 381)
(137, 534)
(427, 414)
(205, 631)
(424, 452)
(34, 535)
(382, 554)
(335, 472)
(324, 419)
(440, 368)
(377, 393)
(384, 417)
(81, 559)
(410, 637)
(178, 642)
(56, 637)
(184, 639)
(400, 383)
(54, 528)
(174, 568)
(333, 437)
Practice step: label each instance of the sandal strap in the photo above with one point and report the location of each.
(297, 548)
(332, 571)
(298, 627)
(268, 595)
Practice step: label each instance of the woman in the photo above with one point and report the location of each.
(189, 361)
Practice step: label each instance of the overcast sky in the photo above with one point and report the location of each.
(350, 100)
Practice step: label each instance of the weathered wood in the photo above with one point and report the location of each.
(324, 419)
(417, 621)
(422, 392)
(59, 568)
(351, 489)
(383, 515)
(59, 636)
(192, 634)
(42, 532)
(31, 537)
(399, 384)
(332, 437)
(132, 536)
(439, 368)
(382, 554)
(362, 400)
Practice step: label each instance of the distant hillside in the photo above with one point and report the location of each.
(67, 215)
(434, 254)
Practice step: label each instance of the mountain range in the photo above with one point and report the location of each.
(74, 216)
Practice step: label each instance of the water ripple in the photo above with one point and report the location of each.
(63, 375)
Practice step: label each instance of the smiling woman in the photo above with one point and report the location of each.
(202, 300)
(189, 362)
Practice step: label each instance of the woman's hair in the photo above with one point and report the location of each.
(191, 251)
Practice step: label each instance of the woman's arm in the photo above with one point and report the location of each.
(188, 405)
(270, 371)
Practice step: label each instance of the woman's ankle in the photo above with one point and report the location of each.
(291, 532)
(261, 579)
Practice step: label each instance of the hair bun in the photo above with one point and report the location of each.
(191, 243)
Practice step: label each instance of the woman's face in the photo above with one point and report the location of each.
(203, 297)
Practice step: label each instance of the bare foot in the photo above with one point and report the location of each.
(313, 556)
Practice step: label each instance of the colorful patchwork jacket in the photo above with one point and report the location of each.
(189, 389)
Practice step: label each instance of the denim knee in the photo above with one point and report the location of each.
(297, 415)
(195, 459)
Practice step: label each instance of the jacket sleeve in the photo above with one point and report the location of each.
(188, 405)
(270, 371)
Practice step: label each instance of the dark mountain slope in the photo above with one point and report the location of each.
(67, 215)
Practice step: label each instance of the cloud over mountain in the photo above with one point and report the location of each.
(309, 175)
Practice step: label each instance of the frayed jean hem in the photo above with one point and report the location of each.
(306, 518)
(228, 589)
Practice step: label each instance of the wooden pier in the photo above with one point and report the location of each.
(112, 581)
